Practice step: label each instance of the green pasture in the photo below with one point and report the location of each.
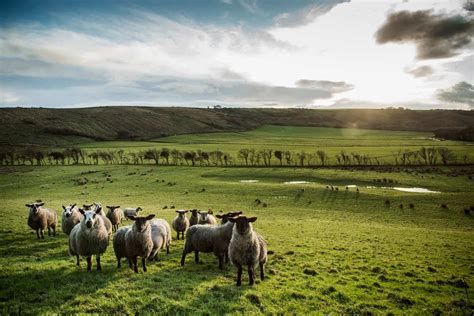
(330, 252)
(376, 143)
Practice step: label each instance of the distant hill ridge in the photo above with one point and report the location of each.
(46, 127)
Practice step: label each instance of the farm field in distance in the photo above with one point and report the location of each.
(345, 251)
(375, 143)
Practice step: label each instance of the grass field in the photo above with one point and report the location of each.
(376, 143)
(343, 252)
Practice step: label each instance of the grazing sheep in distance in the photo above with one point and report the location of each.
(247, 247)
(70, 217)
(194, 220)
(115, 215)
(41, 218)
(161, 237)
(208, 238)
(131, 211)
(180, 223)
(90, 237)
(138, 242)
(206, 218)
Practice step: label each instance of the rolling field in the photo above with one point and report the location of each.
(376, 143)
(344, 252)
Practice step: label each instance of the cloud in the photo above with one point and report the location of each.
(462, 92)
(435, 35)
(332, 86)
(249, 5)
(305, 15)
(421, 71)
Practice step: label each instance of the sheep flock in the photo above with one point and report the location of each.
(90, 229)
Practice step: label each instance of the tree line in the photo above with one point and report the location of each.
(245, 157)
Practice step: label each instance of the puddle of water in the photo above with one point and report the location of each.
(415, 190)
(248, 181)
(411, 190)
(296, 182)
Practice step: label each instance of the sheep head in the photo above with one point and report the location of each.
(242, 223)
(141, 222)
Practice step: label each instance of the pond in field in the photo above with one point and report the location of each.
(248, 181)
(411, 190)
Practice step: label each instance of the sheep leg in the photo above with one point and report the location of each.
(239, 274)
(144, 263)
(262, 272)
(183, 257)
(135, 264)
(89, 263)
(38, 234)
(221, 261)
(177, 235)
(119, 264)
(226, 257)
(42, 234)
(49, 231)
(251, 272)
(196, 256)
(168, 249)
(97, 258)
(77, 260)
(129, 263)
(54, 231)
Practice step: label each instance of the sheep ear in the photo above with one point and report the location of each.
(108, 206)
(238, 213)
(251, 219)
(231, 219)
(97, 211)
(219, 216)
(186, 211)
(177, 211)
(132, 217)
(40, 204)
(73, 205)
(28, 205)
(139, 209)
(117, 206)
(64, 208)
(151, 216)
(210, 212)
(82, 211)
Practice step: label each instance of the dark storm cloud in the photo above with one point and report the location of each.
(462, 92)
(435, 36)
(422, 71)
(331, 86)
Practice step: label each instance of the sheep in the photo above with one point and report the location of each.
(87, 207)
(131, 211)
(208, 238)
(161, 237)
(70, 217)
(194, 219)
(41, 218)
(180, 223)
(119, 245)
(90, 237)
(115, 215)
(107, 222)
(247, 247)
(138, 241)
(206, 218)
(225, 217)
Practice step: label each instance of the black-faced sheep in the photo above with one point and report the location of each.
(205, 217)
(138, 241)
(115, 215)
(40, 218)
(88, 238)
(194, 219)
(247, 247)
(180, 223)
(70, 217)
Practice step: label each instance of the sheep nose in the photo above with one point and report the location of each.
(89, 224)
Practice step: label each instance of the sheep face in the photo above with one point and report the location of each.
(112, 208)
(181, 213)
(194, 212)
(34, 207)
(68, 210)
(89, 217)
(98, 206)
(242, 223)
(141, 222)
(203, 216)
(225, 217)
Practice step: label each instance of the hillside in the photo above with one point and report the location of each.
(49, 127)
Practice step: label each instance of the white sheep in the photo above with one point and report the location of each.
(138, 241)
(40, 218)
(131, 211)
(180, 223)
(161, 237)
(247, 247)
(205, 217)
(70, 217)
(88, 238)
(115, 215)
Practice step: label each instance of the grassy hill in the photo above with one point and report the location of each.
(49, 127)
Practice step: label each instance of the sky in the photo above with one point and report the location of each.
(237, 53)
